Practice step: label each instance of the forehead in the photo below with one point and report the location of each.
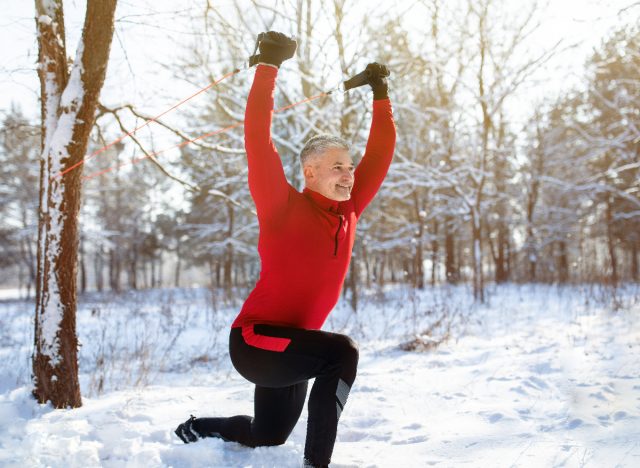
(335, 155)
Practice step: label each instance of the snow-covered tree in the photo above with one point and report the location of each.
(612, 132)
(69, 96)
(18, 197)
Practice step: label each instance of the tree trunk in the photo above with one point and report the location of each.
(29, 261)
(68, 104)
(97, 268)
(133, 266)
(228, 256)
(611, 246)
(115, 269)
(635, 274)
(392, 269)
(502, 271)
(434, 253)
(214, 275)
(83, 268)
(367, 265)
(353, 284)
(563, 263)
(381, 270)
(418, 270)
(218, 265)
(476, 222)
(478, 280)
(450, 268)
(532, 254)
(532, 199)
(177, 272)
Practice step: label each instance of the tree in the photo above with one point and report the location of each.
(500, 71)
(613, 134)
(69, 96)
(18, 196)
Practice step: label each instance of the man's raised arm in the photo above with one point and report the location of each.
(376, 160)
(267, 181)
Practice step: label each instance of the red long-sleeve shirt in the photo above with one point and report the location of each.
(305, 239)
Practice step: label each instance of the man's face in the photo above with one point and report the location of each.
(331, 174)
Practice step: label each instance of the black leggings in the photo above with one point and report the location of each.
(281, 387)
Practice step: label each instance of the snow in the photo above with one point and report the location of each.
(48, 7)
(10, 293)
(59, 135)
(539, 376)
(45, 19)
(52, 309)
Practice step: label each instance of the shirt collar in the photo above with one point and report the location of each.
(323, 202)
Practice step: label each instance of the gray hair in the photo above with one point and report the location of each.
(319, 144)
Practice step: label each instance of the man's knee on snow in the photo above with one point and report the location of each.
(270, 441)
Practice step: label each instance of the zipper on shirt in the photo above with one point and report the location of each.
(335, 250)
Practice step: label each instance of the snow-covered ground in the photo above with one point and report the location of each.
(539, 376)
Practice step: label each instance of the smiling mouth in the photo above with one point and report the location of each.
(344, 187)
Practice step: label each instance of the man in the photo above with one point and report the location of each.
(305, 247)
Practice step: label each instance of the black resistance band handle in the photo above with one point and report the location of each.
(356, 81)
(360, 79)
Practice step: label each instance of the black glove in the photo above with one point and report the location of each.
(377, 78)
(275, 48)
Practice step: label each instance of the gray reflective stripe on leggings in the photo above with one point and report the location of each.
(342, 393)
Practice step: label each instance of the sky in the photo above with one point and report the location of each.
(148, 35)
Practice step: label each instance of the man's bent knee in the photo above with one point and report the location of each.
(349, 357)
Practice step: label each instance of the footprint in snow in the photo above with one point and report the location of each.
(366, 389)
(544, 368)
(357, 436)
(536, 383)
(541, 349)
(366, 423)
(525, 414)
(140, 418)
(598, 396)
(492, 417)
(608, 389)
(500, 379)
(584, 384)
(413, 427)
(619, 415)
(519, 390)
(574, 424)
(411, 440)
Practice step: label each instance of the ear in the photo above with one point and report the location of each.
(308, 172)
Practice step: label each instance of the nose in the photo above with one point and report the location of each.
(347, 176)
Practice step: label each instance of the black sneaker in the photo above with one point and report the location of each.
(186, 432)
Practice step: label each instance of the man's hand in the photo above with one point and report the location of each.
(275, 48)
(377, 76)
